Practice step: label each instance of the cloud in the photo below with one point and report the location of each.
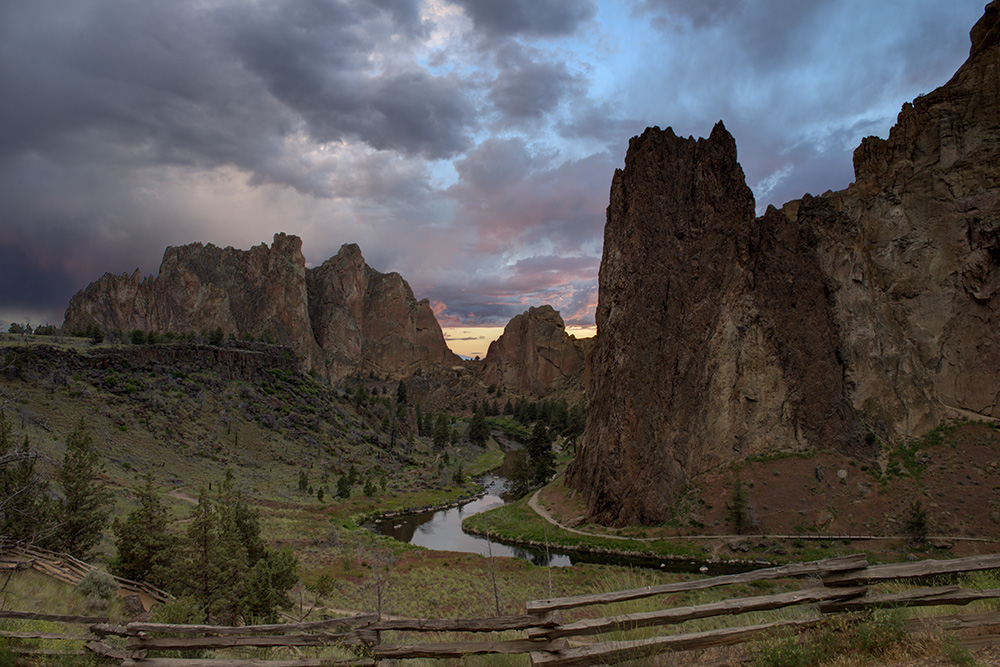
(528, 89)
(536, 18)
(467, 144)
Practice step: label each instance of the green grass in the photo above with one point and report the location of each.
(517, 522)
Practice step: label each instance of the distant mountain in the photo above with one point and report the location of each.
(339, 318)
(839, 322)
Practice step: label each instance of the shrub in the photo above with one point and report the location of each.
(99, 585)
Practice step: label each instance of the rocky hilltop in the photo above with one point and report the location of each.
(535, 354)
(837, 322)
(339, 318)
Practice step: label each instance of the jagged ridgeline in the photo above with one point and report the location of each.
(839, 322)
(339, 318)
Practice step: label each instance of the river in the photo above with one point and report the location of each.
(442, 530)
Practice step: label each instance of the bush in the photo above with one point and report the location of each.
(99, 585)
(180, 611)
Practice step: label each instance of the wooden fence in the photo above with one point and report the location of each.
(838, 586)
(70, 570)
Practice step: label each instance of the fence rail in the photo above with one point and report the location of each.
(68, 569)
(547, 638)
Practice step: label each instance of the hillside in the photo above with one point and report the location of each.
(188, 413)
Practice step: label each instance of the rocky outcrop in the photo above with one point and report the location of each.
(362, 316)
(339, 318)
(838, 321)
(534, 355)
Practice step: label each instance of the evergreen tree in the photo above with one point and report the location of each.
(145, 548)
(225, 566)
(442, 432)
(542, 461)
(401, 393)
(26, 512)
(303, 481)
(479, 429)
(343, 487)
(199, 572)
(86, 506)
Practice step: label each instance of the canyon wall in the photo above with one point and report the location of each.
(838, 322)
(339, 318)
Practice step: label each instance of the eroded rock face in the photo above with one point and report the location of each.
(534, 355)
(339, 318)
(871, 311)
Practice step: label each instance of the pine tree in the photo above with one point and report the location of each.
(479, 430)
(199, 572)
(145, 548)
(442, 432)
(27, 512)
(401, 393)
(86, 506)
(541, 459)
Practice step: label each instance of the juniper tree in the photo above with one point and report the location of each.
(442, 432)
(145, 548)
(479, 430)
(83, 513)
(25, 507)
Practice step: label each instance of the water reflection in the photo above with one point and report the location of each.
(442, 530)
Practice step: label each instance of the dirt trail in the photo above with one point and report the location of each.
(536, 505)
(180, 495)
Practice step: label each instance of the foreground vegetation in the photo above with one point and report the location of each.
(308, 463)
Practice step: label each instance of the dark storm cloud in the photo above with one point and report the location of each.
(319, 59)
(538, 18)
(528, 89)
(183, 84)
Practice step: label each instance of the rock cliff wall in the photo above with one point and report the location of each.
(835, 322)
(339, 318)
(534, 355)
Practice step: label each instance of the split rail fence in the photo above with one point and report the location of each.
(837, 586)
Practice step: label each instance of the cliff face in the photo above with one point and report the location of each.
(534, 355)
(339, 318)
(875, 309)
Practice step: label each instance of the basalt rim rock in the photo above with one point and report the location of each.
(839, 321)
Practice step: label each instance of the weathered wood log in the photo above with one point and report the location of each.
(105, 629)
(355, 638)
(236, 662)
(496, 624)
(919, 569)
(45, 568)
(459, 649)
(37, 635)
(101, 648)
(917, 597)
(853, 562)
(632, 650)
(595, 626)
(16, 564)
(954, 621)
(59, 618)
(359, 620)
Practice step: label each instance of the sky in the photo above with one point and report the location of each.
(467, 144)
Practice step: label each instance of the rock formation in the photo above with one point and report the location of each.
(339, 318)
(534, 355)
(839, 321)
